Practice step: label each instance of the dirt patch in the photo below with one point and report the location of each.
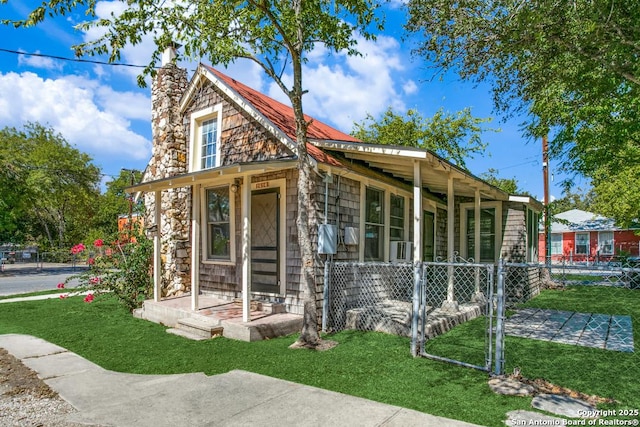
(16, 378)
(27, 401)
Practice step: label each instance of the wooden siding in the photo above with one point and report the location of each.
(242, 139)
(514, 236)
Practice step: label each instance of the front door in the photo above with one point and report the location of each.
(265, 271)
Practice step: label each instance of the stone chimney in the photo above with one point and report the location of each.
(169, 158)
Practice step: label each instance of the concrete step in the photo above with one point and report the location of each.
(185, 334)
(201, 326)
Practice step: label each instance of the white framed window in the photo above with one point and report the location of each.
(218, 228)
(374, 224)
(556, 244)
(204, 145)
(582, 244)
(396, 218)
(605, 242)
(490, 231)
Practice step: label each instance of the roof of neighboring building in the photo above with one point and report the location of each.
(579, 220)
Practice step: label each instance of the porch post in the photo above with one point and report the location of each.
(157, 261)
(417, 253)
(450, 219)
(479, 297)
(417, 212)
(195, 247)
(450, 303)
(476, 230)
(246, 249)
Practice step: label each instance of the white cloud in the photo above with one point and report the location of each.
(410, 87)
(94, 118)
(344, 89)
(38, 61)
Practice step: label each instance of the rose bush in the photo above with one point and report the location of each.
(121, 270)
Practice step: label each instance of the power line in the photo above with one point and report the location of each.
(62, 58)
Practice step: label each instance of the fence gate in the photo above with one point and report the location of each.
(452, 293)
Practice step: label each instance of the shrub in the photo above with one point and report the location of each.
(121, 270)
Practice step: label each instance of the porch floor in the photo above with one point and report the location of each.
(227, 314)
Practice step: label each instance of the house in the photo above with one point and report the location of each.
(221, 195)
(580, 236)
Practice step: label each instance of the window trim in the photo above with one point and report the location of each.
(387, 189)
(533, 231)
(561, 243)
(575, 248)
(601, 243)
(195, 145)
(464, 207)
(204, 238)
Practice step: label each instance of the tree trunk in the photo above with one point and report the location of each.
(309, 336)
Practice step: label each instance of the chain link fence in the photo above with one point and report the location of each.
(453, 293)
(369, 297)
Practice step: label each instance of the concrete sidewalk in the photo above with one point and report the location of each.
(237, 398)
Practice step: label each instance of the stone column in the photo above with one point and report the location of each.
(169, 158)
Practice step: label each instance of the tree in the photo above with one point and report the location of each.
(115, 202)
(579, 199)
(49, 187)
(453, 136)
(508, 185)
(570, 67)
(275, 35)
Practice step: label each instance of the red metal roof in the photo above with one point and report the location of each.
(282, 116)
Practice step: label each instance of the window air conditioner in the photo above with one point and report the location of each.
(401, 252)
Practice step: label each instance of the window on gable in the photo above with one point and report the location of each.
(374, 225)
(204, 146)
(209, 144)
(218, 223)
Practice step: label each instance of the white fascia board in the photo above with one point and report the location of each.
(371, 148)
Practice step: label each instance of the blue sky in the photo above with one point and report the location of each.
(100, 110)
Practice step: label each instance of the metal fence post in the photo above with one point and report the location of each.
(325, 295)
(499, 359)
(417, 276)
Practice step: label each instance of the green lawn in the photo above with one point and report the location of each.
(370, 365)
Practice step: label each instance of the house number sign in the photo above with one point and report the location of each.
(263, 184)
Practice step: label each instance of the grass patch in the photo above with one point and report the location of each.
(38, 293)
(370, 365)
(366, 364)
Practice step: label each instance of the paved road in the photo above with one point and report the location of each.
(23, 278)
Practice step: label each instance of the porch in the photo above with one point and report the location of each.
(219, 317)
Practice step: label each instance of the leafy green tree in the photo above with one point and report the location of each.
(51, 187)
(115, 201)
(622, 188)
(276, 35)
(453, 136)
(570, 67)
(508, 185)
(579, 199)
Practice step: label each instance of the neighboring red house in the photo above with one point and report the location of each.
(580, 236)
(124, 230)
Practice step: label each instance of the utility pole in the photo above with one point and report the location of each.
(547, 220)
(130, 198)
